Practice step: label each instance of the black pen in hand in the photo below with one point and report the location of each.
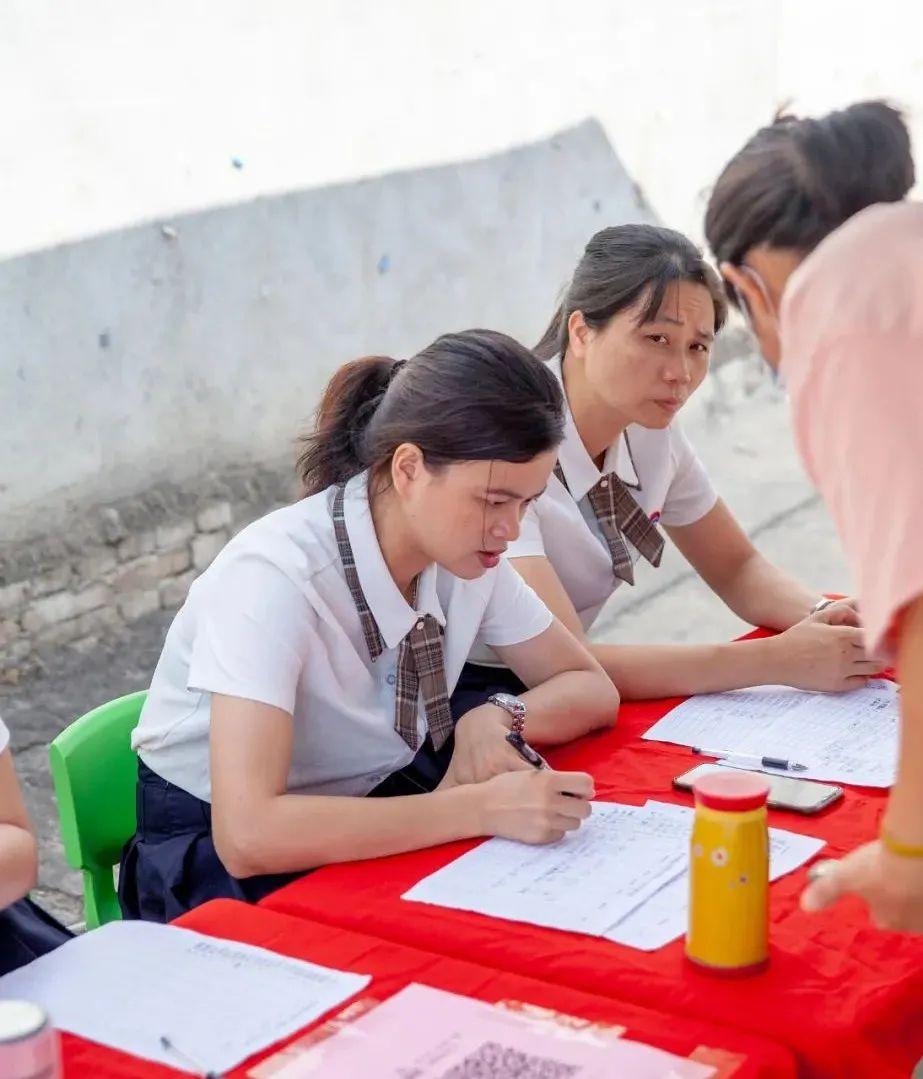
(528, 754)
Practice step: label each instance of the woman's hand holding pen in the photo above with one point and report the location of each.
(536, 806)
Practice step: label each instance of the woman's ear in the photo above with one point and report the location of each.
(578, 333)
(758, 309)
(751, 295)
(407, 466)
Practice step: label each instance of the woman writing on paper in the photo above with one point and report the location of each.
(826, 259)
(629, 346)
(26, 931)
(312, 663)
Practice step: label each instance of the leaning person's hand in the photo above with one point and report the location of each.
(891, 885)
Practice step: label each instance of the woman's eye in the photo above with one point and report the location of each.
(496, 501)
(657, 338)
(699, 347)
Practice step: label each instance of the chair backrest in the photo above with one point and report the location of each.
(95, 773)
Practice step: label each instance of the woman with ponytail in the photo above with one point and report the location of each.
(312, 663)
(809, 224)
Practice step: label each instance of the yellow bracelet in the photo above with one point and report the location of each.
(903, 850)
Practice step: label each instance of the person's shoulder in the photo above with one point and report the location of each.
(297, 539)
(898, 223)
(869, 272)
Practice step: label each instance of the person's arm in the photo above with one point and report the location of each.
(18, 851)
(889, 882)
(571, 695)
(260, 828)
(721, 553)
(811, 655)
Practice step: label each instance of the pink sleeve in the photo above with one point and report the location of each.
(859, 421)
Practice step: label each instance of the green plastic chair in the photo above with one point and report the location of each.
(95, 772)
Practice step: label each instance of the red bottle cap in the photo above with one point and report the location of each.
(731, 791)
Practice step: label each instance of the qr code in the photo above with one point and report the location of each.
(495, 1061)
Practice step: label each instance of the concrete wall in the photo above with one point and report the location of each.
(159, 353)
(118, 112)
(156, 377)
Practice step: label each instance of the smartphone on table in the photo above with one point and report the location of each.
(785, 792)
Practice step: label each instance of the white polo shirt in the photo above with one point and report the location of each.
(273, 620)
(664, 475)
(4, 736)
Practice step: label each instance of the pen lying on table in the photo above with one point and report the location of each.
(749, 760)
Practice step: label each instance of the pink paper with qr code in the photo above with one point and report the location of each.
(423, 1033)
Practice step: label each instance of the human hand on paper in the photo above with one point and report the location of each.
(891, 885)
(538, 806)
(481, 749)
(824, 652)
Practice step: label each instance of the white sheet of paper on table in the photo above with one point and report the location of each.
(848, 737)
(127, 983)
(623, 876)
(585, 883)
(664, 916)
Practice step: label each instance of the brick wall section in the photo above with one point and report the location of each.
(123, 561)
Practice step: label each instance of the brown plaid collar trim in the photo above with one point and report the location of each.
(420, 660)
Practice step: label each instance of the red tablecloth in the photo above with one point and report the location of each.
(394, 966)
(846, 998)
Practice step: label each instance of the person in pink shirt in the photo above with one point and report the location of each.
(819, 249)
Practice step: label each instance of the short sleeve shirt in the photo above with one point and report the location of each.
(273, 620)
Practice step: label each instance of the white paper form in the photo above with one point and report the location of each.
(585, 883)
(128, 983)
(664, 916)
(851, 737)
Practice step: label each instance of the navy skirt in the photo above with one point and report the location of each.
(26, 932)
(170, 865)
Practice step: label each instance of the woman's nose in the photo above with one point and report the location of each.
(678, 370)
(506, 527)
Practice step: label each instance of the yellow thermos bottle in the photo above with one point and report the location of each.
(729, 874)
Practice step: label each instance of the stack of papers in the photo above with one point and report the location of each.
(623, 876)
(430, 1034)
(849, 737)
(130, 984)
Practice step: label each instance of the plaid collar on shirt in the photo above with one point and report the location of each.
(620, 518)
(420, 660)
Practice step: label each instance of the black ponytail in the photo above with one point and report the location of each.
(471, 396)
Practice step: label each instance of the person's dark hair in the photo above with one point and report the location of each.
(797, 180)
(625, 265)
(471, 396)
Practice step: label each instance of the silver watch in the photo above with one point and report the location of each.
(509, 703)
